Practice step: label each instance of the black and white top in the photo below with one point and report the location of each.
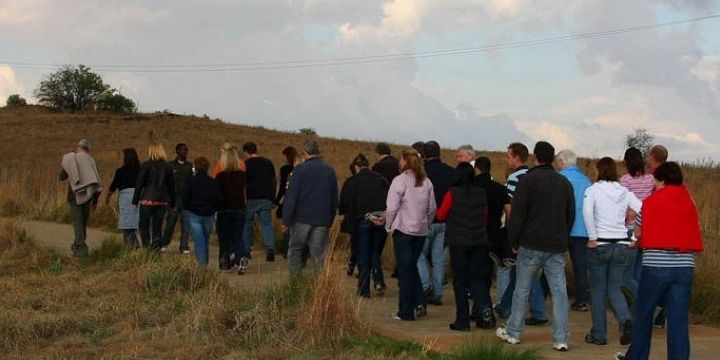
(665, 258)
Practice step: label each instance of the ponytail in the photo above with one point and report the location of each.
(413, 162)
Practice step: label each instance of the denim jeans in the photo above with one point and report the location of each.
(261, 208)
(301, 237)
(503, 281)
(407, 252)
(579, 258)
(433, 253)
(607, 266)
(538, 310)
(369, 240)
(173, 215)
(553, 265)
(200, 226)
(229, 229)
(675, 286)
(470, 272)
(150, 224)
(80, 215)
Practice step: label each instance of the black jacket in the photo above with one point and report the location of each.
(202, 195)
(466, 222)
(388, 167)
(181, 175)
(543, 211)
(497, 198)
(155, 183)
(441, 175)
(261, 181)
(361, 194)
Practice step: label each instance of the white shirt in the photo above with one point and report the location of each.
(604, 208)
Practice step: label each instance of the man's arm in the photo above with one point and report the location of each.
(518, 215)
(63, 175)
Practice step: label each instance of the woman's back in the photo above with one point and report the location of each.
(232, 188)
(410, 208)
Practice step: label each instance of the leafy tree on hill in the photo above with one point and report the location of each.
(118, 103)
(640, 139)
(307, 132)
(15, 100)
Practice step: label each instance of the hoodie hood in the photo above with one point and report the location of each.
(613, 190)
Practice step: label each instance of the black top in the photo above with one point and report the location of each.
(285, 171)
(125, 178)
(362, 193)
(232, 188)
(441, 176)
(182, 172)
(155, 183)
(543, 211)
(261, 182)
(388, 167)
(202, 196)
(467, 217)
(497, 198)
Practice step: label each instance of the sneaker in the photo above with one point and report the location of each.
(560, 346)
(590, 340)
(581, 307)
(626, 335)
(163, 249)
(620, 356)
(186, 252)
(454, 327)
(270, 257)
(395, 316)
(535, 322)
(502, 334)
(435, 300)
(420, 311)
(487, 320)
(380, 288)
(242, 266)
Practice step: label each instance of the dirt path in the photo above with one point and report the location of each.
(431, 331)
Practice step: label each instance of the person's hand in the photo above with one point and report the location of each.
(515, 250)
(284, 228)
(633, 244)
(377, 220)
(592, 244)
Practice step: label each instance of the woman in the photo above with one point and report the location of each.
(124, 182)
(464, 210)
(228, 146)
(290, 156)
(410, 210)
(155, 193)
(362, 203)
(669, 233)
(231, 215)
(202, 199)
(604, 209)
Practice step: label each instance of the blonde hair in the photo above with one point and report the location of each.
(229, 160)
(156, 152)
(414, 162)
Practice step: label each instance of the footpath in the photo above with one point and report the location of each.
(432, 331)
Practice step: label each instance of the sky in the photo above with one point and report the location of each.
(584, 94)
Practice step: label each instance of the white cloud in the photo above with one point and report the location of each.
(8, 83)
(546, 131)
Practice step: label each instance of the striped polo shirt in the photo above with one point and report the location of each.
(514, 178)
(665, 258)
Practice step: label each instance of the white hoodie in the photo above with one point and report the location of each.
(604, 209)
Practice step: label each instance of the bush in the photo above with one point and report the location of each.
(72, 88)
(307, 132)
(15, 100)
(117, 103)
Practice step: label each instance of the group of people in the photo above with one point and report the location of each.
(631, 239)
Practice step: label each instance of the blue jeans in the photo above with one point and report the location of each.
(579, 257)
(607, 266)
(304, 236)
(470, 272)
(675, 286)
(230, 235)
(503, 281)
(150, 224)
(529, 262)
(200, 227)
(262, 208)
(369, 240)
(433, 249)
(407, 252)
(537, 298)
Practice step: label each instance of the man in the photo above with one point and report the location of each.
(498, 202)
(182, 171)
(442, 176)
(309, 208)
(567, 161)
(387, 165)
(543, 211)
(465, 153)
(84, 188)
(657, 155)
(261, 186)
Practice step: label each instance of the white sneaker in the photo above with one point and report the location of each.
(504, 336)
(395, 316)
(185, 252)
(560, 346)
(620, 356)
(163, 249)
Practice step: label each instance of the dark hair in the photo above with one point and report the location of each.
(290, 154)
(607, 169)
(634, 162)
(544, 152)
(382, 149)
(361, 161)
(432, 149)
(352, 169)
(519, 150)
(250, 148)
(483, 164)
(670, 173)
(179, 145)
(464, 174)
(659, 153)
(130, 158)
(419, 146)
(201, 164)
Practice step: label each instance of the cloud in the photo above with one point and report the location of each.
(8, 83)
(546, 131)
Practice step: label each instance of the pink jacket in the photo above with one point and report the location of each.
(410, 209)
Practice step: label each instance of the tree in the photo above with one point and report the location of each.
(640, 139)
(307, 132)
(15, 100)
(73, 88)
(117, 102)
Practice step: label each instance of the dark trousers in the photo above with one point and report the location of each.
(80, 215)
(407, 253)
(674, 285)
(470, 272)
(130, 238)
(229, 226)
(173, 215)
(369, 241)
(579, 258)
(151, 221)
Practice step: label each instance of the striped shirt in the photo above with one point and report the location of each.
(665, 258)
(642, 186)
(514, 179)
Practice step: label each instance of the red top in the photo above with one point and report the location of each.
(444, 210)
(670, 221)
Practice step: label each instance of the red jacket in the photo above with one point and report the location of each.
(670, 221)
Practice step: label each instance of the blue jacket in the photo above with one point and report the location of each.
(580, 183)
(312, 194)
